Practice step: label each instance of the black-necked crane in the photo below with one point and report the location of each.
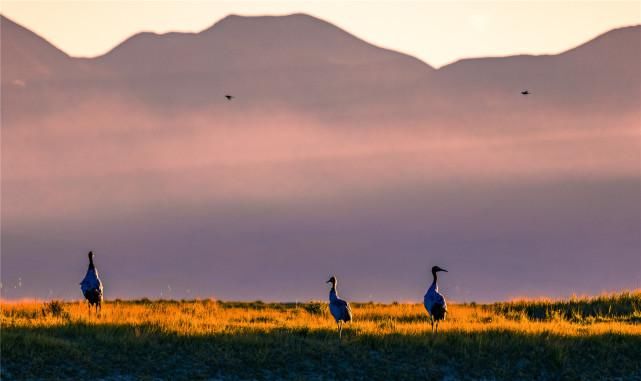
(229, 97)
(435, 302)
(340, 309)
(525, 92)
(91, 286)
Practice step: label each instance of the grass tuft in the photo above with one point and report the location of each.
(316, 308)
(54, 308)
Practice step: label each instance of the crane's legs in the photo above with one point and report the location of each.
(432, 320)
(340, 330)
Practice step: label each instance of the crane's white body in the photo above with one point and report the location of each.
(433, 297)
(91, 286)
(339, 308)
(91, 281)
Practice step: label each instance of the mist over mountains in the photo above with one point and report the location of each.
(336, 156)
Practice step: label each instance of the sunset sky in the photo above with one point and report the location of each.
(437, 32)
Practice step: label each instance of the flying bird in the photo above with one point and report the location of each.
(435, 302)
(229, 97)
(340, 309)
(525, 92)
(91, 286)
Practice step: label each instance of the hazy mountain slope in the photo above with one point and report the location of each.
(296, 60)
(602, 73)
(238, 43)
(27, 57)
(39, 79)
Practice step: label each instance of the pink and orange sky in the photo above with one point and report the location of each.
(437, 32)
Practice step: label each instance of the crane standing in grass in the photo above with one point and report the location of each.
(340, 309)
(434, 301)
(91, 286)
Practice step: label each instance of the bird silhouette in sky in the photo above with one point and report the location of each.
(525, 92)
(229, 97)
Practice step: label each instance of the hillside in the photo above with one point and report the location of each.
(600, 73)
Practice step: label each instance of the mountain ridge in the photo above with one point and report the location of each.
(230, 17)
(319, 69)
(636, 27)
(239, 42)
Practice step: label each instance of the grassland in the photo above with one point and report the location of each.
(578, 339)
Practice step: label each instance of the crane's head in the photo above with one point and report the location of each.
(332, 280)
(436, 269)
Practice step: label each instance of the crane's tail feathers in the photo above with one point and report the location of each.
(438, 312)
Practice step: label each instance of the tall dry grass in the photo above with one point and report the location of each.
(586, 338)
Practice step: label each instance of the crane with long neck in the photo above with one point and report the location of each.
(91, 286)
(340, 309)
(434, 301)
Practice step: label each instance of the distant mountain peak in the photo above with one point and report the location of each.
(293, 41)
(253, 18)
(300, 22)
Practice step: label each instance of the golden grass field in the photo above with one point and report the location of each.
(577, 339)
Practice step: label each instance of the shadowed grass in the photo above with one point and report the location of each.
(625, 306)
(213, 340)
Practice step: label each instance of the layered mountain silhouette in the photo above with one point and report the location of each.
(335, 156)
(303, 62)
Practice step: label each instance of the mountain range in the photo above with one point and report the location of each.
(303, 62)
(335, 156)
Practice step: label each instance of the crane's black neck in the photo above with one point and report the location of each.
(332, 292)
(91, 266)
(434, 275)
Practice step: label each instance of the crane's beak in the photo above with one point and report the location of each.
(443, 270)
